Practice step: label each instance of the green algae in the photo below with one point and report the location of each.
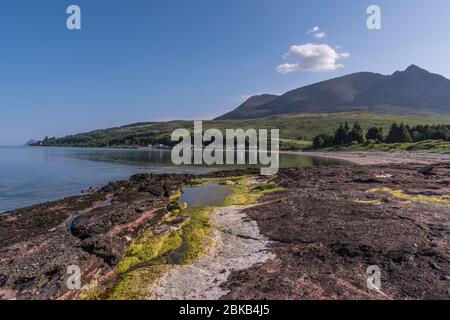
(195, 233)
(148, 247)
(175, 195)
(266, 186)
(364, 201)
(191, 239)
(245, 194)
(135, 285)
(400, 194)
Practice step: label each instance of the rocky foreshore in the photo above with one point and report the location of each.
(91, 231)
(332, 223)
(325, 228)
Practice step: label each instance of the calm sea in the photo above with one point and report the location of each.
(31, 175)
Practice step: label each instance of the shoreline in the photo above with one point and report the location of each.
(322, 231)
(37, 246)
(355, 157)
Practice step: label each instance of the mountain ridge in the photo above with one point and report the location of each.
(414, 90)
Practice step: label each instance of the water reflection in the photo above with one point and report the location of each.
(163, 158)
(34, 175)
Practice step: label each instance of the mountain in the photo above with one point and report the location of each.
(411, 91)
(251, 105)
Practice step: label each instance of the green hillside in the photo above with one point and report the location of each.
(292, 127)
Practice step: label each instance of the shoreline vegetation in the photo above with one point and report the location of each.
(296, 130)
(431, 138)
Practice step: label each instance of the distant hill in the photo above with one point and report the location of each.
(411, 91)
(413, 96)
(291, 126)
(31, 142)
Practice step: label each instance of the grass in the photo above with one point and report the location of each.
(429, 146)
(289, 144)
(295, 129)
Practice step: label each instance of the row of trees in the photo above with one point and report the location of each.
(103, 140)
(398, 133)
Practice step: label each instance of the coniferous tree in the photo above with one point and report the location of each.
(347, 132)
(393, 133)
(376, 134)
(357, 134)
(341, 136)
(403, 134)
(399, 134)
(323, 141)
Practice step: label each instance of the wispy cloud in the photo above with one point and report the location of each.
(316, 32)
(312, 57)
(313, 30)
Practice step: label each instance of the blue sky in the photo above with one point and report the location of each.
(142, 60)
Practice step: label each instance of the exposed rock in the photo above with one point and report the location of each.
(325, 229)
(325, 240)
(39, 243)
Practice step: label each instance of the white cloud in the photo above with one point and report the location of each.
(287, 67)
(313, 30)
(320, 35)
(312, 57)
(316, 32)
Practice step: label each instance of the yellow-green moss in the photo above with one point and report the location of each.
(399, 194)
(206, 180)
(171, 215)
(136, 284)
(175, 196)
(374, 202)
(243, 194)
(147, 247)
(180, 206)
(93, 291)
(195, 233)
